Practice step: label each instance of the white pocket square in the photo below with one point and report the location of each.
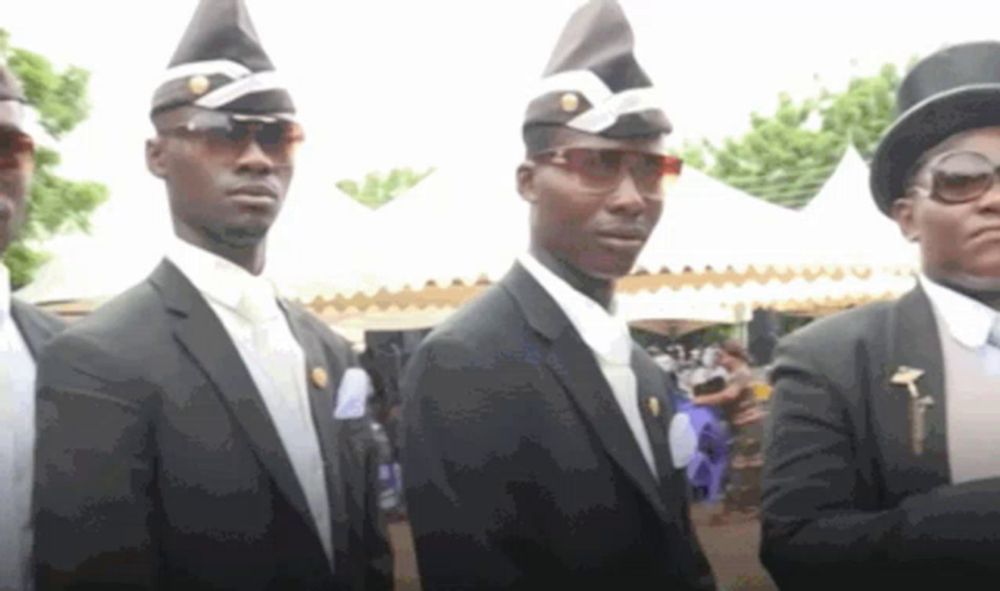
(352, 394)
(683, 441)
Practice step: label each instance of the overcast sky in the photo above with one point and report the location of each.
(383, 83)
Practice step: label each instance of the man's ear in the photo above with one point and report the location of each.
(903, 210)
(526, 181)
(156, 149)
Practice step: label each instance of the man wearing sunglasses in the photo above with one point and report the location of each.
(196, 432)
(881, 459)
(540, 448)
(24, 330)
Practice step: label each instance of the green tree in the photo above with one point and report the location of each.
(379, 188)
(786, 157)
(57, 204)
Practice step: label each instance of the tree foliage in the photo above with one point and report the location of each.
(57, 205)
(787, 156)
(378, 188)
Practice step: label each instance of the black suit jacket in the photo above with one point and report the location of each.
(520, 469)
(36, 326)
(158, 466)
(846, 502)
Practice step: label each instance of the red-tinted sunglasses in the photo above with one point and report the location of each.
(602, 169)
(17, 149)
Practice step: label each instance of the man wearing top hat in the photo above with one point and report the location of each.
(24, 330)
(196, 432)
(881, 464)
(537, 451)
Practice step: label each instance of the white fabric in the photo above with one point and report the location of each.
(257, 82)
(967, 321)
(608, 337)
(17, 444)
(206, 68)
(971, 380)
(604, 115)
(355, 388)
(248, 308)
(584, 82)
(606, 106)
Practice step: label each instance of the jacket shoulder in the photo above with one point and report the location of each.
(844, 329)
(42, 319)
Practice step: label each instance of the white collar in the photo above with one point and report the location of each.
(4, 293)
(968, 320)
(218, 279)
(605, 333)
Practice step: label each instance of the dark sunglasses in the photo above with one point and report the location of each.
(602, 170)
(961, 177)
(17, 149)
(229, 134)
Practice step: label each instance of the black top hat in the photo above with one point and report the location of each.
(953, 90)
(593, 82)
(221, 65)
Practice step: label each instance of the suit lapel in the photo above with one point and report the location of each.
(574, 366)
(914, 343)
(322, 373)
(34, 333)
(655, 415)
(199, 330)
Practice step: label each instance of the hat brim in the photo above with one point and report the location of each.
(924, 126)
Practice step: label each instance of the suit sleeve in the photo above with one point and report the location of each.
(94, 511)
(820, 526)
(461, 484)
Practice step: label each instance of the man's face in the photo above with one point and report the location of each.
(959, 242)
(16, 165)
(597, 231)
(223, 190)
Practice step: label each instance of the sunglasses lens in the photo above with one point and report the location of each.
(599, 169)
(277, 138)
(963, 177)
(653, 173)
(16, 149)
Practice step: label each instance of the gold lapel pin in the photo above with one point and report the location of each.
(654, 405)
(319, 377)
(198, 85)
(569, 102)
(908, 376)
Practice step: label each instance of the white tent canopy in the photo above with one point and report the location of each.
(320, 238)
(846, 225)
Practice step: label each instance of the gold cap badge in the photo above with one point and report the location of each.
(318, 377)
(654, 405)
(569, 102)
(198, 84)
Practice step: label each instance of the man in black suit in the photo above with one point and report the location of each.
(196, 432)
(881, 466)
(24, 330)
(540, 448)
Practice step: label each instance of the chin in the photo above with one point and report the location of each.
(609, 270)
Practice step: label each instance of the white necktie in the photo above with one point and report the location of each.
(284, 363)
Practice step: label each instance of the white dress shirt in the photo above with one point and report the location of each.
(971, 379)
(607, 336)
(248, 308)
(17, 447)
